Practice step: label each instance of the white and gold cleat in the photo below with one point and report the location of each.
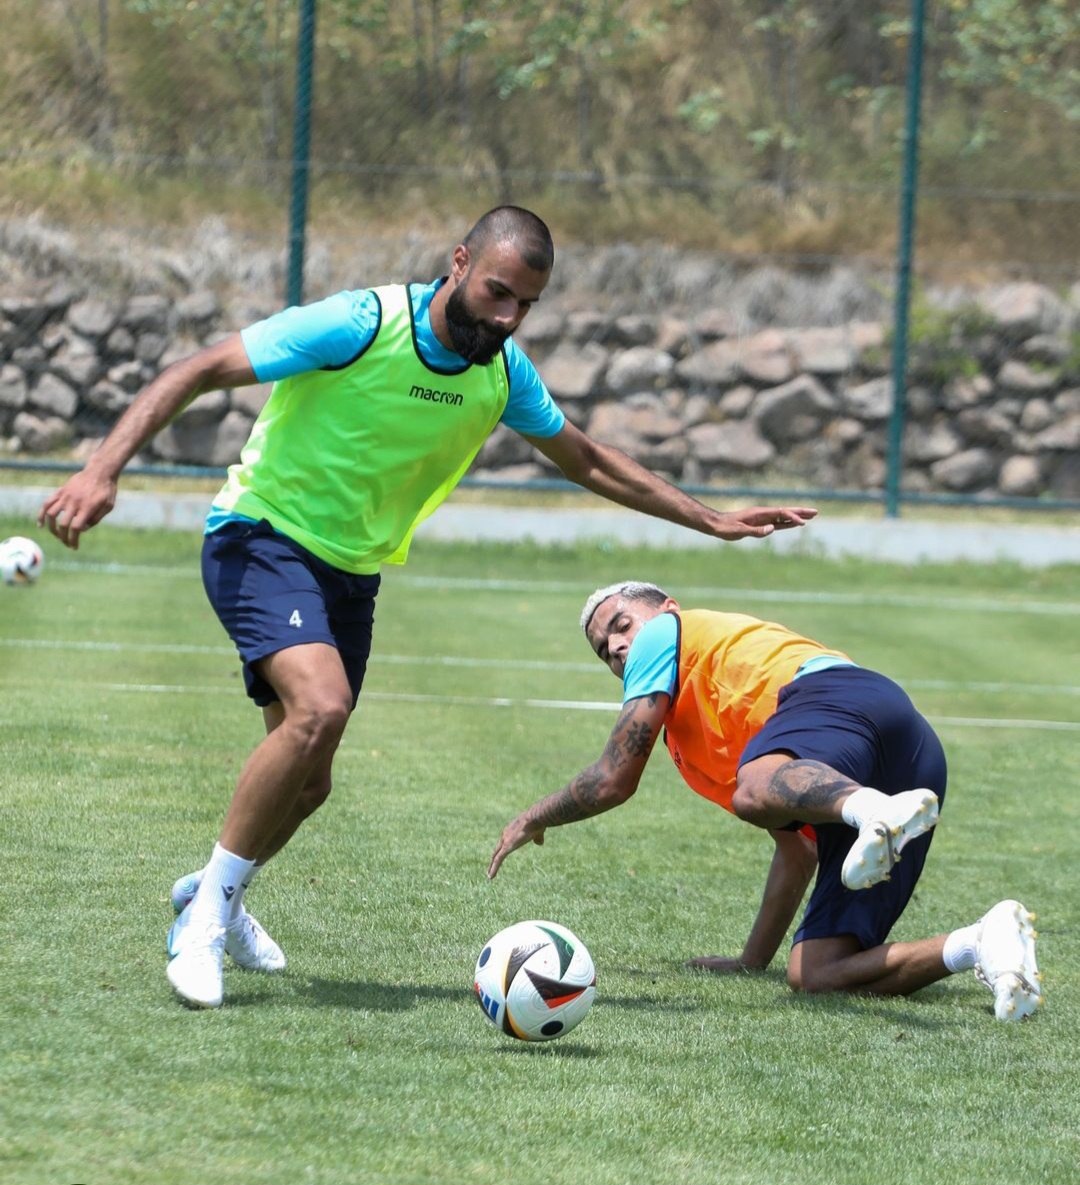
(1005, 960)
(880, 841)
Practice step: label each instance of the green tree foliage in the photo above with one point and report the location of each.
(1028, 47)
(754, 110)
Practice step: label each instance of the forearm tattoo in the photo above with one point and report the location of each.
(578, 800)
(587, 794)
(799, 784)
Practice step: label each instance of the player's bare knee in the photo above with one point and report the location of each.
(319, 724)
(814, 980)
(748, 805)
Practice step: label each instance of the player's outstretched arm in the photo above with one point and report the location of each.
(615, 476)
(793, 864)
(605, 784)
(87, 497)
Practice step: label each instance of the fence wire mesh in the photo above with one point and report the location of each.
(722, 181)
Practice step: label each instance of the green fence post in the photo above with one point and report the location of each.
(305, 52)
(908, 190)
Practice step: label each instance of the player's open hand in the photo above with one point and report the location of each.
(761, 521)
(720, 965)
(516, 834)
(80, 503)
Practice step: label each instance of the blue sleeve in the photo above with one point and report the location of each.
(653, 662)
(331, 332)
(530, 408)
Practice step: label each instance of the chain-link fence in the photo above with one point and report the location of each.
(723, 183)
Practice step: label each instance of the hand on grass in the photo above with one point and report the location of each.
(720, 965)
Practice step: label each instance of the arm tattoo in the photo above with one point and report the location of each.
(576, 801)
(638, 739)
(591, 792)
(629, 737)
(800, 784)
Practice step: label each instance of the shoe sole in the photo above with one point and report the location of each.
(1018, 993)
(873, 856)
(190, 1001)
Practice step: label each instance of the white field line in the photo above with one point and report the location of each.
(778, 595)
(112, 647)
(477, 701)
(498, 664)
(710, 593)
(593, 667)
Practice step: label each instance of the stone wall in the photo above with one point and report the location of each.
(993, 403)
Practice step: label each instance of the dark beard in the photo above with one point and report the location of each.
(471, 338)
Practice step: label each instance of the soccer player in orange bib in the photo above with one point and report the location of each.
(832, 759)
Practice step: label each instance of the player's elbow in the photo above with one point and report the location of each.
(615, 791)
(622, 792)
(580, 462)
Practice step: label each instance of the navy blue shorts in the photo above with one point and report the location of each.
(270, 593)
(864, 726)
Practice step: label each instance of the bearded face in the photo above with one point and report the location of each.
(473, 338)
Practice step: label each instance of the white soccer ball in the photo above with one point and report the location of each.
(535, 980)
(21, 560)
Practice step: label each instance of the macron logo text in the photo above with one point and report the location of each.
(433, 396)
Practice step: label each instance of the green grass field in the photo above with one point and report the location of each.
(123, 726)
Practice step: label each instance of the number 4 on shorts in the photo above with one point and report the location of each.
(296, 619)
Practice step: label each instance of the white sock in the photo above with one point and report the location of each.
(238, 907)
(222, 878)
(865, 803)
(962, 948)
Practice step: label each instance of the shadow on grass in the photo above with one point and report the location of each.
(376, 997)
(651, 1003)
(372, 996)
(565, 1050)
(774, 975)
(913, 1011)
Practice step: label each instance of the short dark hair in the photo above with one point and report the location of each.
(631, 590)
(523, 228)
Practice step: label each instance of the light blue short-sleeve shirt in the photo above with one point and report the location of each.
(652, 666)
(333, 332)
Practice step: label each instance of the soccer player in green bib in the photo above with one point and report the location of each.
(382, 397)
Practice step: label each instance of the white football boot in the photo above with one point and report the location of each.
(246, 942)
(880, 841)
(194, 969)
(1005, 960)
(249, 945)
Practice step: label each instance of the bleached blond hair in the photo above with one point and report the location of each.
(632, 590)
